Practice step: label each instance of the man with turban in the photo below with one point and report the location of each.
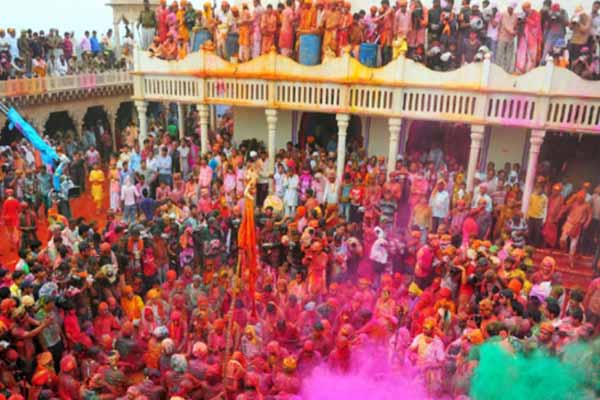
(316, 262)
(131, 304)
(287, 383)
(268, 28)
(579, 216)
(68, 384)
(529, 40)
(427, 352)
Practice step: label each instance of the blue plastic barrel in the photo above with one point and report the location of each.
(310, 49)
(232, 44)
(200, 37)
(367, 54)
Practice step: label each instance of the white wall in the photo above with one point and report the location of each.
(379, 137)
(249, 123)
(506, 145)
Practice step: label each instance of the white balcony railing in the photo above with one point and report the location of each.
(545, 98)
(38, 86)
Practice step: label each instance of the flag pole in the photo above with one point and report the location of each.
(235, 279)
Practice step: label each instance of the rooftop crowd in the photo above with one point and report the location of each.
(444, 37)
(31, 54)
(145, 306)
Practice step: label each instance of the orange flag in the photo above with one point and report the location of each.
(247, 247)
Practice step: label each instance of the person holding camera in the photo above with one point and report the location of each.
(418, 25)
(584, 65)
(529, 39)
(555, 28)
(581, 26)
(491, 16)
(463, 19)
(435, 21)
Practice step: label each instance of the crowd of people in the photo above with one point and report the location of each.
(33, 54)
(156, 303)
(444, 37)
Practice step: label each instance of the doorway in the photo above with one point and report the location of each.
(322, 128)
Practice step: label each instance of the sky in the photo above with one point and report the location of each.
(81, 15)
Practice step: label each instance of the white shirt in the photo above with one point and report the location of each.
(85, 44)
(486, 197)
(330, 193)
(163, 164)
(378, 251)
(4, 44)
(226, 18)
(492, 184)
(513, 177)
(440, 204)
(14, 48)
(492, 32)
(129, 194)
(184, 152)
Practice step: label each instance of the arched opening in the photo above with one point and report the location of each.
(570, 158)
(123, 119)
(95, 123)
(59, 126)
(9, 134)
(323, 127)
(453, 139)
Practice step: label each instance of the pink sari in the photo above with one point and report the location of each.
(528, 47)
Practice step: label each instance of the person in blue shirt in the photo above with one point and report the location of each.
(125, 173)
(94, 43)
(44, 179)
(135, 159)
(148, 205)
(164, 165)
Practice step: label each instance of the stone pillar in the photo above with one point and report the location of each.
(271, 129)
(111, 115)
(180, 120)
(203, 112)
(395, 124)
(343, 120)
(167, 108)
(39, 123)
(113, 131)
(535, 144)
(404, 137)
(142, 108)
(77, 118)
(476, 139)
(213, 116)
(117, 37)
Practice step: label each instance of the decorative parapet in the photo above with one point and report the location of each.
(480, 93)
(29, 92)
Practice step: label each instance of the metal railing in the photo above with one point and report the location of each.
(56, 84)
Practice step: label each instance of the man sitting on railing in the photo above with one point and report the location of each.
(39, 67)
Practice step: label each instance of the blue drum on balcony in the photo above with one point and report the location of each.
(367, 54)
(310, 49)
(232, 44)
(200, 37)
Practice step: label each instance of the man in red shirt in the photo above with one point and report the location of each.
(10, 214)
(357, 194)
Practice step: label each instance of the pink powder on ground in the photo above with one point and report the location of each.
(370, 378)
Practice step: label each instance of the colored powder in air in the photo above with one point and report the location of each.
(502, 375)
(370, 377)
